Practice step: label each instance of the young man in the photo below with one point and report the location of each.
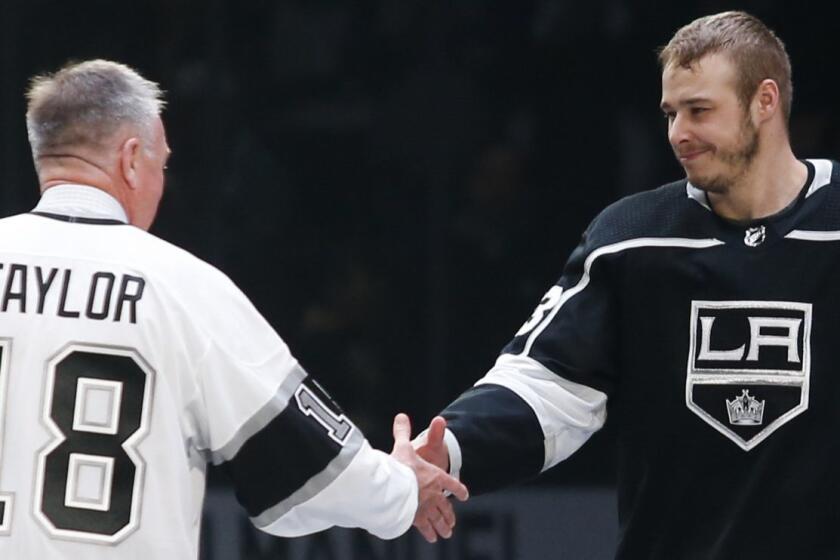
(127, 364)
(703, 316)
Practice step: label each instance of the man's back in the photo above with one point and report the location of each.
(103, 330)
(126, 364)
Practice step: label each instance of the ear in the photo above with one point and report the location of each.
(767, 100)
(129, 156)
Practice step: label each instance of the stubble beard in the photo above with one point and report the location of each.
(738, 160)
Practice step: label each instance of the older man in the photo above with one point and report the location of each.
(127, 364)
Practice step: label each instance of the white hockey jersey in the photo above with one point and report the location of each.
(126, 365)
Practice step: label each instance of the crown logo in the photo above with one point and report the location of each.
(745, 410)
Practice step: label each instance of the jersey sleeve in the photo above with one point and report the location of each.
(547, 393)
(297, 462)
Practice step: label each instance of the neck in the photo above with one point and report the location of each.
(771, 183)
(57, 170)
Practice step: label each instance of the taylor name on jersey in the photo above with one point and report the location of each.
(36, 289)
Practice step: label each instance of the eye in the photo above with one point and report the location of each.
(698, 110)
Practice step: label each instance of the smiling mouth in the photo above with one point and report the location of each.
(691, 156)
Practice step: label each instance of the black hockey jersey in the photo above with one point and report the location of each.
(712, 347)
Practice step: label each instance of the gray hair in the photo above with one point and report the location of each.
(85, 104)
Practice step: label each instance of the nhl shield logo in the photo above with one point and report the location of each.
(754, 236)
(749, 366)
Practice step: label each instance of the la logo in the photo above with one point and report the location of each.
(757, 348)
(760, 335)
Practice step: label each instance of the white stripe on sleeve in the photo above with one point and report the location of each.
(568, 412)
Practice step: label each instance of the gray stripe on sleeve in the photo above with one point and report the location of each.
(314, 484)
(261, 418)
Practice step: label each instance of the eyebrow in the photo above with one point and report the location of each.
(686, 102)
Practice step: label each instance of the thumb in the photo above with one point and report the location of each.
(437, 428)
(402, 428)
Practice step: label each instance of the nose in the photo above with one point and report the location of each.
(679, 130)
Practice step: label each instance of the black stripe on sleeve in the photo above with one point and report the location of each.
(289, 451)
(501, 439)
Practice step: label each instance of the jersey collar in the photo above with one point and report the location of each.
(82, 202)
(820, 177)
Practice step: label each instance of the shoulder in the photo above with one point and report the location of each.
(203, 298)
(186, 276)
(666, 211)
(121, 244)
(174, 260)
(16, 221)
(826, 174)
(821, 208)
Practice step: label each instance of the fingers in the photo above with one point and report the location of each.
(402, 428)
(442, 528)
(447, 513)
(435, 514)
(455, 487)
(425, 528)
(435, 519)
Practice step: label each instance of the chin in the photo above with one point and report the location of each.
(696, 179)
(709, 182)
(717, 185)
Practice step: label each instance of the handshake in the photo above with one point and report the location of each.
(428, 457)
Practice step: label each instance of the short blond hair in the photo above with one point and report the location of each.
(84, 104)
(756, 52)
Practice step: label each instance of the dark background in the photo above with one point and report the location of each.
(395, 183)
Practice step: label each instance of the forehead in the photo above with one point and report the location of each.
(159, 132)
(712, 76)
(158, 128)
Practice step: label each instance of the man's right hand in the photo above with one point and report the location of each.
(431, 447)
(434, 515)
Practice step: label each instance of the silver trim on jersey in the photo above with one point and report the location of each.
(609, 250)
(804, 235)
(259, 420)
(315, 484)
(697, 195)
(822, 175)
